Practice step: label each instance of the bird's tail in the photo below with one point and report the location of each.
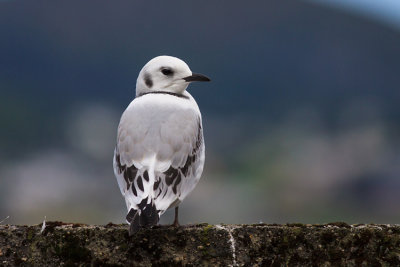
(147, 215)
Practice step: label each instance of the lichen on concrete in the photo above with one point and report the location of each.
(200, 245)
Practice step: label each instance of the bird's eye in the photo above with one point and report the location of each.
(167, 72)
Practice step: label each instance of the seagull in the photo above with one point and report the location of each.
(159, 156)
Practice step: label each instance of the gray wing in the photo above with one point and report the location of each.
(174, 184)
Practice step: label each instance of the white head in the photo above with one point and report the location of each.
(167, 74)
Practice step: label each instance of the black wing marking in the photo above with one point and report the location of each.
(173, 176)
(129, 174)
(148, 216)
(146, 213)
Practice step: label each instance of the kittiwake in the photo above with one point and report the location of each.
(159, 156)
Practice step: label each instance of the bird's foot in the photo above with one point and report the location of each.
(176, 224)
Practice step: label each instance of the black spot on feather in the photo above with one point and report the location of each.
(170, 175)
(199, 140)
(156, 184)
(178, 180)
(140, 183)
(149, 215)
(166, 190)
(131, 173)
(143, 203)
(133, 189)
(121, 168)
(130, 215)
(146, 176)
(185, 168)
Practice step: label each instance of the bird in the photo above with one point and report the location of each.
(160, 151)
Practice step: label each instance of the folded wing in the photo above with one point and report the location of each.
(159, 155)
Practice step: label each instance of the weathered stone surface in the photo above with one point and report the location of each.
(201, 245)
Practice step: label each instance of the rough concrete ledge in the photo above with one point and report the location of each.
(62, 244)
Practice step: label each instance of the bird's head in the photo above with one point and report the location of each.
(165, 73)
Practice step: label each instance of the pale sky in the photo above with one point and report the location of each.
(387, 11)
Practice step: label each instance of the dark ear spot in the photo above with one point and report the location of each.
(148, 80)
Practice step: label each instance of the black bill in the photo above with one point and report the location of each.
(197, 77)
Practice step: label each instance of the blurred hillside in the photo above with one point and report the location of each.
(301, 118)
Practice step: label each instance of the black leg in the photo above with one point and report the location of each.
(176, 221)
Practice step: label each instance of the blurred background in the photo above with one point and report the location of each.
(301, 118)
